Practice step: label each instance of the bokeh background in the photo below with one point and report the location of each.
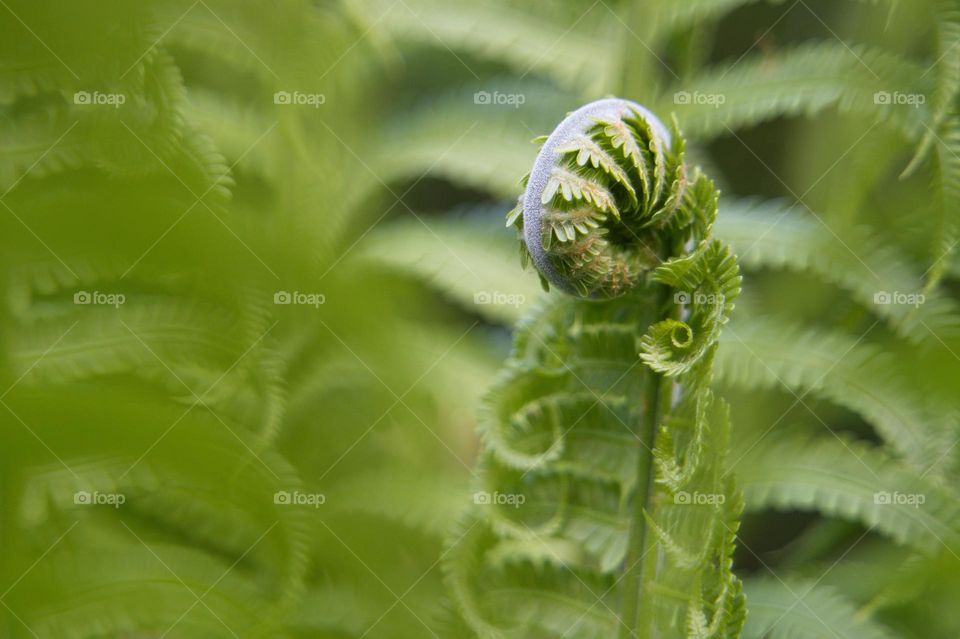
(255, 280)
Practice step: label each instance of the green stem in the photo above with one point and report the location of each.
(646, 434)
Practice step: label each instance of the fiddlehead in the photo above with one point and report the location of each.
(605, 508)
(603, 182)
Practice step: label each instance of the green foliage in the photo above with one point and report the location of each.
(145, 358)
(866, 384)
(610, 514)
(852, 481)
(832, 129)
(772, 354)
(804, 609)
(778, 236)
(803, 81)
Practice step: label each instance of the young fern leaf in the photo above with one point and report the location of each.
(605, 508)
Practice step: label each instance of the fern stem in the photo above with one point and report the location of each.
(646, 434)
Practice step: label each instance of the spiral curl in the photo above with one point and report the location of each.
(609, 206)
(605, 184)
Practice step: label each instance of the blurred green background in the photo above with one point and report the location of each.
(255, 281)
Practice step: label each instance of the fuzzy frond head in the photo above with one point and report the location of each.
(603, 204)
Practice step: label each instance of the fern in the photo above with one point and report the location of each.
(947, 66)
(192, 397)
(802, 81)
(769, 354)
(462, 257)
(948, 188)
(585, 520)
(200, 398)
(853, 481)
(801, 608)
(489, 148)
(512, 34)
(777, 235)
(942, 134)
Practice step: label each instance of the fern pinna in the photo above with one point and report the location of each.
(605, 509)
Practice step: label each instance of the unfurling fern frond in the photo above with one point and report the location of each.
(604, 507)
